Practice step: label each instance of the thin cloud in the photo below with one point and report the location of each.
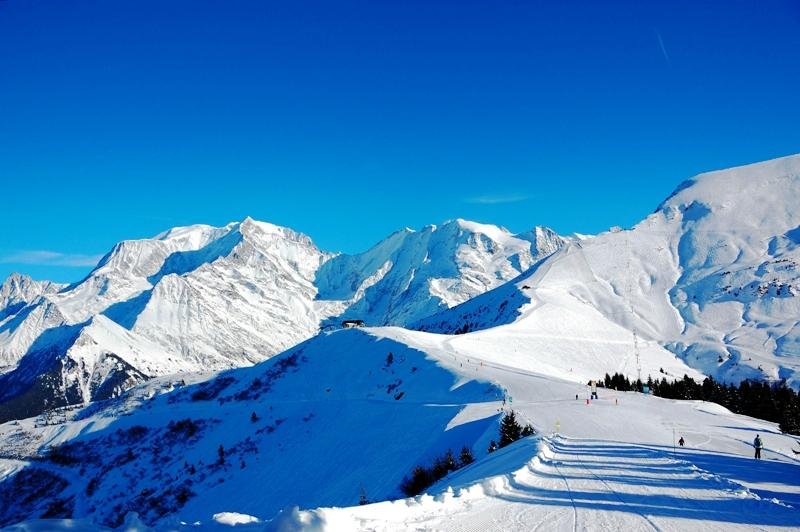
(50, 258)
(496, 199)
(663, 48)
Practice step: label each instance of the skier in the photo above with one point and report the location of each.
(681, 442)
(758, 445)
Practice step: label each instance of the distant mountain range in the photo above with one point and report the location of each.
(205, 298)
(479, 322)
(711, 275)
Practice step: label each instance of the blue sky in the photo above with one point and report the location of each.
(348, 120)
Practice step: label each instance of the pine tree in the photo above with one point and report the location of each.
(510, 429)
(221, 454)
(790, 418)
(466, 457)
(416, 484)
(441, 466)
(450, 461)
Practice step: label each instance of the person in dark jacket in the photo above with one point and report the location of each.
(681, 442)
(758, 445)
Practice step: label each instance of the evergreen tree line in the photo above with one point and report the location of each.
(510, 431)
(774, 402)
(423, 477)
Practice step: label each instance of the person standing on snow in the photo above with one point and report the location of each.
(758, 445)
(681, 442)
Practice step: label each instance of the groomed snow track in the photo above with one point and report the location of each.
(567, 484)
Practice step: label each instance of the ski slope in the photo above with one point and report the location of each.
(612, 464)
(560, 483)
(345, 427)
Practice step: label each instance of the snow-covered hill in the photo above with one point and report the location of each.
(203, 298)
(712, 275)
(345, 391)
(348, 414)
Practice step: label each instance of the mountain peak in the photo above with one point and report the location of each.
(719, 187)
(16, 279)
(19, 289)
(476, 227)
(266, 227)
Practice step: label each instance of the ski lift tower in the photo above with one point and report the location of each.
(629, 273)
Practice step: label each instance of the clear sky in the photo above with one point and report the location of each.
(349, 120)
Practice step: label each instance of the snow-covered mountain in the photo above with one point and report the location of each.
(122, 274)
(343, 417)
(413, 274)
(711, 275)
(19, 290)
(16, 293)
(205, 298)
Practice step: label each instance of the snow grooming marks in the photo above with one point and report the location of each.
(542, 455)
(521, 488)
(605, 484)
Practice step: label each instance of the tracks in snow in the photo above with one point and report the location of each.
(572, 485)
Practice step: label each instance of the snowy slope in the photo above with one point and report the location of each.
(738, 252)
(79, 363)
(337, 417)
(340, 392)
(568, 484)
(712, 275)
